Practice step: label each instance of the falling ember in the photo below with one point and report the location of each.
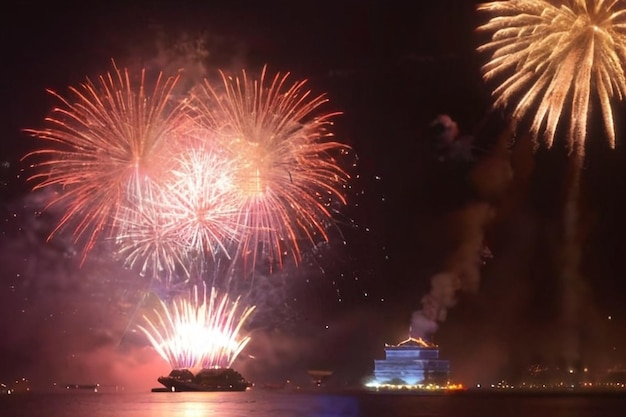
(199, 331)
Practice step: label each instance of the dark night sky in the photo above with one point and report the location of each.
(391, 70)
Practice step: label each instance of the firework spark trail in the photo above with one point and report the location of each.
(573, 285)
(555, 56)
(287, 172)
(198, 331)
(109, 145)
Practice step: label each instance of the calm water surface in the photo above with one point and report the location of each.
(318, 404)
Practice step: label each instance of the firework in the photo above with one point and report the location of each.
(109, 145)
(199, 199)
(188, 219)
(287, 173)
(553, 57)
(198, 331)
(150, 241)
(241, 170)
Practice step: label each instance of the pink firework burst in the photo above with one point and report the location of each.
(199, 199)
(109, 143)
(287, 168)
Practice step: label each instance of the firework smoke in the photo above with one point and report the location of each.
(461, 272)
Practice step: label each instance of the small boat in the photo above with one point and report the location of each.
(217, 379)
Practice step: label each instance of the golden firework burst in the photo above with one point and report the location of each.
(553, 57)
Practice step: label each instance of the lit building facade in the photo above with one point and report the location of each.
(411, 362)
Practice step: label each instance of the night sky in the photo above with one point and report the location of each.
(417, 208)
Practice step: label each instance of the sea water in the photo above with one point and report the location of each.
(263, 403)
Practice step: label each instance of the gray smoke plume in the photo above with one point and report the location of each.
(462, 269)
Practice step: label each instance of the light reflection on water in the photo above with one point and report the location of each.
(181, 404)
(258, 403)
(231, 404)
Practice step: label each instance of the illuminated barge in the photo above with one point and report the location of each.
(208, 380)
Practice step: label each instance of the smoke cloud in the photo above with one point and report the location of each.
(467, 225)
